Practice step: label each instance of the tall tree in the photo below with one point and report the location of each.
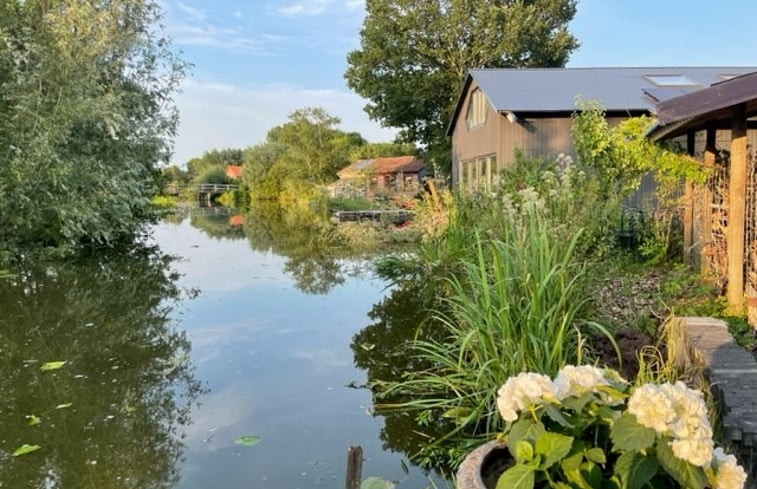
(415, 53)
(85, 116)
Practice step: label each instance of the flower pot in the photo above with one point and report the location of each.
(483, 466)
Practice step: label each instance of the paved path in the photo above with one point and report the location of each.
(732, 371)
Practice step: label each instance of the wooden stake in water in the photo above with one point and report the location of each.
(354, 467)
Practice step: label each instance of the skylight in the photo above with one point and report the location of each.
(671, 80)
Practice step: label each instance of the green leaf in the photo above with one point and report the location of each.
(554, 447)
(377, 483)
(33, 420)
(635, 470)
(524, 452)
(458, 413)
(46, 367)
(24, 449)
(591, 474)
(596, 455)
(578, 403)
(517, 477)
(248, 440)
(64, 406)
(524, 429)
(573, 462)
(629, 436)
(686, 474)
(557, 416)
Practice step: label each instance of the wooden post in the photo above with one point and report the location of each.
(737, 211)
(354, 467)
(688, 209)
(709, 162)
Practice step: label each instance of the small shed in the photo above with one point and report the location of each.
(234, 172)
(728, 202)
(392, 174)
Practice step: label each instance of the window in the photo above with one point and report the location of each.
(671, 80)
(477, 108)
(478, 174)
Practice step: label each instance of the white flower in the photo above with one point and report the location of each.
(730, 474)
(523, 391)
(576, 381)
(652, 408)
(696, 451)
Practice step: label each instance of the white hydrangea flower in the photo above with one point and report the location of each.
(730, 474)
(576, 381)
(523, 391)
(652, 408)
(696, 451)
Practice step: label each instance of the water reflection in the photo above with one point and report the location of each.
(318, 258)
(382, 349)
(113, 416)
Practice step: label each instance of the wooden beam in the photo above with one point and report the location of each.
(354, 467)
(737, 211)
(688, 206)
(706, 237)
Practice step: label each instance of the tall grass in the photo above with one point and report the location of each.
(515, 307)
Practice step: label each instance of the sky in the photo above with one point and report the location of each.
(256, 61)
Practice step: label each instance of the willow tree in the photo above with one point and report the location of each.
(85, 117)
(414, 55)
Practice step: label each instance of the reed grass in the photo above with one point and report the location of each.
(515, 307)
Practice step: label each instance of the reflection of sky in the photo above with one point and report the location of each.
(276, 362)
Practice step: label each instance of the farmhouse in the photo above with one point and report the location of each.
(393, 174)
(501, 111)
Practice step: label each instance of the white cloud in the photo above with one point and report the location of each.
(225, 38)
(191, 12)
(219, 115)
(318, 7)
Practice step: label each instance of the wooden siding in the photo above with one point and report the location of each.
(476, 142)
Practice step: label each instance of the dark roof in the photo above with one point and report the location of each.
(384, 166)
(713, 105)
(551, 90)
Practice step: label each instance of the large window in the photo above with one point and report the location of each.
(477, 108)
(478, 174)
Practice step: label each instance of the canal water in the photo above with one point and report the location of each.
(231, 365)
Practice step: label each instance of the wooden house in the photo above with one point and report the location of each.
(392, 174)
(501, 111)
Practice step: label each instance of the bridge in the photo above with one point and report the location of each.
(206, 191)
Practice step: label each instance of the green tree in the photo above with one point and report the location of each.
(85, 115)
(414, 54)
(215, 158)
(383, 150)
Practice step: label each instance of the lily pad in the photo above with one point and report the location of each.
(377, 483)
(46, 367)
(248, 440)
(33, 420)
(24, 449)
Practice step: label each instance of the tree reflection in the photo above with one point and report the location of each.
(382, 349)
(127, 375)
(317, 258)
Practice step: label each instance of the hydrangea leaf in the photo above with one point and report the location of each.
(686, 474)
(554, 447)
(517, 477)
(524, 429)
(629, 436)
(596, 455)
(635, 470)
(524, 451)
(555, 415)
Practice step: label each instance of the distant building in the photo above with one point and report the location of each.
(500, 111)
(234, 172)
(393, 174)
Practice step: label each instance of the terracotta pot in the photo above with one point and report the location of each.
(483, 466)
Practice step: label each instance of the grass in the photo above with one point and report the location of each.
(515, 307)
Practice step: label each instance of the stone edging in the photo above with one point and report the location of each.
(732, 372)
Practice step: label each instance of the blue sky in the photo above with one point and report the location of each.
(256, 61)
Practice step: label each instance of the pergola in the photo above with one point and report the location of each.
(725, 105)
